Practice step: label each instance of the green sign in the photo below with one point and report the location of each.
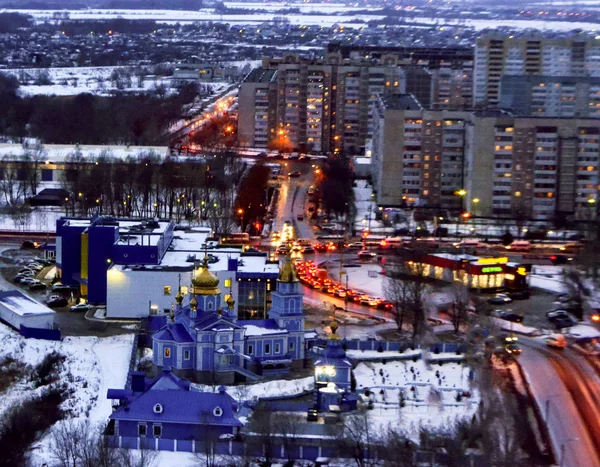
(491, 269)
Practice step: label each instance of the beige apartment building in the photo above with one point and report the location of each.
(320, 105)
(488, 163)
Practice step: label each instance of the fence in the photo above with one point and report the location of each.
(132, 359)
(388, 346)
(38, 333)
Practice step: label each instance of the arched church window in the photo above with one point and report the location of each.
(218, 411)
(158, 408)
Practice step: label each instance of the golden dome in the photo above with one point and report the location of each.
(193, 302)
(205, 282)
(179, 297)
(334, 327)
(230, 301)
(288, 272)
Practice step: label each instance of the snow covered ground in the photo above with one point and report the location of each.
(429, 390)
(96, 364)
(267, 389)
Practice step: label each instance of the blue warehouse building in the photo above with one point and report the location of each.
(125, 262)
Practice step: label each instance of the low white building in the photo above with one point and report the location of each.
(136, 291)
(18, 309)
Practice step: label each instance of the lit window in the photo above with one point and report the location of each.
(167, 290)
(167, 352)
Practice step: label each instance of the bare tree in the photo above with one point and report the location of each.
(396, 449)
(262, 426)
(460, 301)
(287, 426)
(208, 457)
(574, 281)
(397, 290)
(357, 439)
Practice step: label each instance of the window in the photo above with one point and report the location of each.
(141, 430)
(277, 348)
(157, 430)
(218, 411)
(267, 348)
(167, 290)
(291, 346)
(158, 408)
(167, 352)
(186, 354)
(250, 349)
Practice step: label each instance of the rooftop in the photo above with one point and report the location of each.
(401, 102)
(22, 305)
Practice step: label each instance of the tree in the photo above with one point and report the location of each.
(397, 290)
(460, 301)
(262, 426)
(287, 425)
(250, 203)
(396, 449)
(574, 281)
(357, 439)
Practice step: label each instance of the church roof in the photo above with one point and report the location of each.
(261, 327)
(167, 381)
(288, 272)
(205, 282)
(180, 406)
(213, 321)
(333, 354)
(175, 332)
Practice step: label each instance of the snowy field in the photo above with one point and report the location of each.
(267, 389)
(429, 390)
(95, 365)
(326, 16)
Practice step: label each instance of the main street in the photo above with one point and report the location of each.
(567, 390)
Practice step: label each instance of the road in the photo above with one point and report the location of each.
(567, 389)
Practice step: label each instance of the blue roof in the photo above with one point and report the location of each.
(261, 323)
(175, 332)
(333, 354)
(167, 381)
(213, 321)
(180, 406)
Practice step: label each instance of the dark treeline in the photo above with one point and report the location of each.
(87, 119)
(120, 25)
(11, 22)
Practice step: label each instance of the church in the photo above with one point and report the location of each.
(204, 341)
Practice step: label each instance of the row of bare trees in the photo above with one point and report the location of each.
(148, 186)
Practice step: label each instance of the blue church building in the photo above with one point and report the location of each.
(205, 341)
(167, 413)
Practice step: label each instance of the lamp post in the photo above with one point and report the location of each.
(240, 212)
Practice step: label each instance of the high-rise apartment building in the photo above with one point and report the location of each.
(551, 96)
(490, 163)
(497, 56)
(320, 105)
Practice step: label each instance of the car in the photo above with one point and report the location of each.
(513, 349)
(499, 299)
(81, 307)
(320, 247)
(558, 341)
(564, 297)
(385, 305)
(37, 286)
(340, 293)
(276, 235)
(27, 280)
(563, 322)
(29, 245)
(507, 316)
(308, 249)
(556, 314)
(312, 415)
(366, 254)
(27, 272)
(520, 294)
(58, 287)
(300, 217)
(57, 302)
(294, 174)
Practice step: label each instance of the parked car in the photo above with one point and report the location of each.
(562, 322)
(507, 316)
(366, 254)
(513, 349)
(29, 245)
(312, 415)
(307, 249)
(519, 294)
(27, 280)
(81, 307)
(37, 286)
(294, 174)
(300, 217)
(57, 302)
(499, 299)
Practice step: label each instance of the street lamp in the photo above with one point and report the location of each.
(240, 211)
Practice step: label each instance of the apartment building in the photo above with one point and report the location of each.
(418, 154)
(497, 56)
(319, 105)
(551, 96)
(489, 163)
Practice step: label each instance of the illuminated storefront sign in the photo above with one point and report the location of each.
(502, 260)
(491, 269)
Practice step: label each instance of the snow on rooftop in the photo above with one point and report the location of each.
(60, 152)
(22, 305)
(252, 330)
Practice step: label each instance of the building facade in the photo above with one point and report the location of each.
(488, 163)
(497, 55)
(316, 105)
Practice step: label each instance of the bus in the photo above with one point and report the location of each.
(238, 238)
